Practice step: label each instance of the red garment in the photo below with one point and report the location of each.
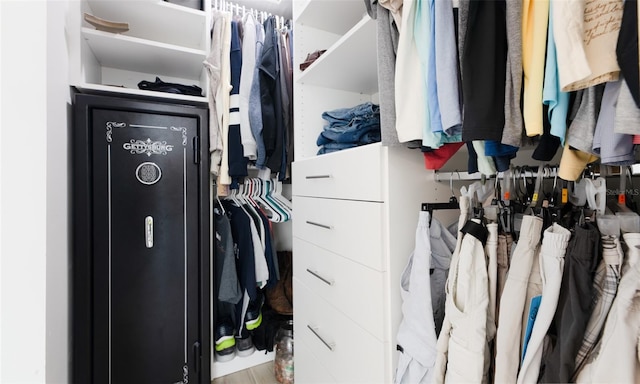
(438, 157)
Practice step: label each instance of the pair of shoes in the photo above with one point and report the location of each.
(225, 342)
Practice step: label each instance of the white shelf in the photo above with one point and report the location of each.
(135, 54)
(350, 64)
(155, 20)
(99, 88)
(336, 16)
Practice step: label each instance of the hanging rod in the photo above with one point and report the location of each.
(530, 172)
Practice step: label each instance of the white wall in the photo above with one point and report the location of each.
(23, 159)
(58, 199)
(33, 193)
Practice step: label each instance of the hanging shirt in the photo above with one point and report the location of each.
(586, 42)
(237, 162)
(483, 66)
(552, 94)
(447, 73)
(535, 16)
(249, 42)
(255, 104)
(411, 97)
(513, 125)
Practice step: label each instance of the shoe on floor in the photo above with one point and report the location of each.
(225, 342)
(253, 317)
(244, 345)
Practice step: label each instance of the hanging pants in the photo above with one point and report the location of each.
(416, 333)
(512, 302)
(552, 252)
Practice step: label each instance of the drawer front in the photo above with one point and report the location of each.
(351, 174)
(308, 368)
(352, 229)
(355, 290)
(349, 352)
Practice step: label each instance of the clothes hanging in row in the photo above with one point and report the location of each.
(554, 302)
(245, 263)
(500, 75)
(250, 96)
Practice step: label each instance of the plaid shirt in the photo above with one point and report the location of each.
(605, 284)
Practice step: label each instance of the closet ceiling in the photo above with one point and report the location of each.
(276, 7)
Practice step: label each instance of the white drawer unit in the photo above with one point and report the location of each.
(337, 176)
(339, 344)
(349, 254)
(342, 226)
(331, 277)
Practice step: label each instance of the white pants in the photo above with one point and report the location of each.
(462, 341)
(512, 302)
(554, 246)
(416, 333)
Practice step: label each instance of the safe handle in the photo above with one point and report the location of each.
(148, 231)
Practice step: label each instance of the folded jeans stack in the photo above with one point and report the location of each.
(349, 127)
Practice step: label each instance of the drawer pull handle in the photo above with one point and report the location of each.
(315, 332)
(318, 177)
(319, 225)
(325, 280)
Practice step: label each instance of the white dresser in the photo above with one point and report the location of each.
(354, 228)
(355, 210)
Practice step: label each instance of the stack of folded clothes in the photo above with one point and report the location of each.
(349, 127)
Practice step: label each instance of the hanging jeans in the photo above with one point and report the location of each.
(512, 303)
(605, 285)
(462, 342)
(574, 304)
(416, 333)
(615, 357)
(554, 246)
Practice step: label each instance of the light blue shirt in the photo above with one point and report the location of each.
(552, 96)
(446, 66)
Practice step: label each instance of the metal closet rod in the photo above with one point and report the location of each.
(532, 172)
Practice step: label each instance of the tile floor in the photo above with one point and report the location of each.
(260, 374)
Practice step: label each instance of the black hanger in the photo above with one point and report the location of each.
(452, 204)
(430, 207)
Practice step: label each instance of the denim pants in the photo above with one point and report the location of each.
(554, 246)
(342, 116)
(357, 131)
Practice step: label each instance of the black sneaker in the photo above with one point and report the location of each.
(244, 345)
(253, 317)
(225, 342)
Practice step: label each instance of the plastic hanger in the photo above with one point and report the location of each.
(451, 204)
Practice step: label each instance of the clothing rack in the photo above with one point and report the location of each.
(241, 10)
(532, 171)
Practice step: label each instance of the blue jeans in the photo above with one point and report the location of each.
(351, 133)
(344, 116)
